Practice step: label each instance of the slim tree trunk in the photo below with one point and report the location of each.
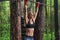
(39, 25)
(15, 29)
(34, 6)
(0, 14)
(46, 16)
(51, 20)
(56, 19)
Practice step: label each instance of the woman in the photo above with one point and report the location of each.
(30, 20)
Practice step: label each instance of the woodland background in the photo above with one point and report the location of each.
(49, 28)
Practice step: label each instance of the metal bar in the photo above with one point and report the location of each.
(4, 0)
(35, 2)
(41, 3)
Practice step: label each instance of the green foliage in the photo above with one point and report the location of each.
(5, 24)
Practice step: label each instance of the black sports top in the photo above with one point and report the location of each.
(29, 25)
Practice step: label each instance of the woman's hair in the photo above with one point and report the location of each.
(30, 13)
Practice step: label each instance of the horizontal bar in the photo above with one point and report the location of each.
(4, 0)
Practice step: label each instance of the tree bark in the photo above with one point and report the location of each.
(39, 25)
(56, 19)
(15, 29)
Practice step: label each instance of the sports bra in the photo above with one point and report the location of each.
(29, 25)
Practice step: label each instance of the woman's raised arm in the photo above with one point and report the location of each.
(38, 4)
(26, 15)
(36, 14)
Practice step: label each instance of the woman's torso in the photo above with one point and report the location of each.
(30, 28)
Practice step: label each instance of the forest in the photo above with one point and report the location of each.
(50, 18)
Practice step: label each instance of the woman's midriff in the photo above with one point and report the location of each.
(30, 31)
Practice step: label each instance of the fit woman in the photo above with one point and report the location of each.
(30, 20)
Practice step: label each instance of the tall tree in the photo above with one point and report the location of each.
(39, 25)
(56, 19)
(46, 16)
(15, 29)
(0, 13)
(51, 20)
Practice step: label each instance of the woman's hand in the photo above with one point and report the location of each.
(26, 8)
(37, 9)
(26, 15)
(38, 4)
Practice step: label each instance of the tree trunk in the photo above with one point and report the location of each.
(56, 20)
(39, 25)
(15, 29)
(0, 13)
(51, 20)
(46, 16)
